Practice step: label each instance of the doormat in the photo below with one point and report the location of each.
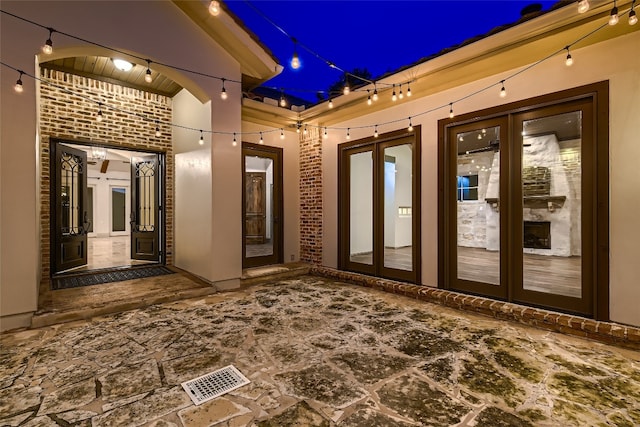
(108, 277)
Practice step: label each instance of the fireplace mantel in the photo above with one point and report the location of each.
(535, 202)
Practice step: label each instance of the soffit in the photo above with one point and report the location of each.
(257, 63)
(507, 50)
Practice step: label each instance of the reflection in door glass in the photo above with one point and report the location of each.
(551, 205)
(361, 207)
(398, 197)
(478, 205)
(259, 206)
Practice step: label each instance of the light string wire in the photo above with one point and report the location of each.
(299, 123)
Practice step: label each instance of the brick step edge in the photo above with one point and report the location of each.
(605, 332)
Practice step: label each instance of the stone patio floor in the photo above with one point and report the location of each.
(318, 353)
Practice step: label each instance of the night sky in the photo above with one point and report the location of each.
(380, 36)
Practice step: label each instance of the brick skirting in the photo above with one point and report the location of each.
(606, 332)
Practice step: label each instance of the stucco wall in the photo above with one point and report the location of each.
(610, 60)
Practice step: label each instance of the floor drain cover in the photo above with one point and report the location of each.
(214, 384)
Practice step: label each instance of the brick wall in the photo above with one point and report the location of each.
(311, 197)
(66, 113)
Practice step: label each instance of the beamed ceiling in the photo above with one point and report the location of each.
(102, 68)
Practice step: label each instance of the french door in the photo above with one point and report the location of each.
(145, 217)
(379, 206)
(262, 205)
(524, 197)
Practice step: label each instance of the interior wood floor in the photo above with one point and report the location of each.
(262, 249)
(109, 252)
(549, 274)
(398, 258)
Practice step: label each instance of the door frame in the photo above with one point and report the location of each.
(53, 146)
(276, 154)
(377, 146)
(598, 95)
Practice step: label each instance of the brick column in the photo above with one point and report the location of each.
(311, 197)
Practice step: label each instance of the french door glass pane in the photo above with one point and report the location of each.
(361, 207)
(118, 209)
(551, 208)
(398, 194)
(259, 206)
(89, 208)
(478, 205)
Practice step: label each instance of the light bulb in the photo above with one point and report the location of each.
(569, 60)
(408, 91)
(261, 139)
(613, 18)
(330, 103)
(375, 94)
(400, 94)
(223, 91)
(18, 86)
(283, 101)
(583, 6)
(201, 140)
(633, 19)
(47, 48)
(234, 143)
(281, 134)
(410, 128)
(369, 100)
(394, 97)
(346, 89)
(298, 128)
(99, 116)
(451, 111)
(326, 135)
(305, 130)
(348, 134)
(503, 91)
(158, 133)
(148, 77)
(214, 8)
(295, 61)
(375, 132)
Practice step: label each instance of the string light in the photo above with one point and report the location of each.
(147, 76)
(158, 133)
(346, 90)
(214, 8)
(569, 60)
(410, 128)
(348, 134)
(281, 133)
(326, 134)
(394, 97)
(368, 98)
(99, 115)
(503, 91)
(305, 130)
(375, 131)
(18, 86)
(633, 19)
(234, 143)
(298, 127)
(201, 140)
(400, 95)
(283, 101)
(408, 91)
(583, 6)
(375, 93)
(330, 103)
(261, 139)
(47, 48)
(613, 17)
(295, 59)
(451, 110)
(223, 92)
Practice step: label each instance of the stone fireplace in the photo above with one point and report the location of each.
(537, 234)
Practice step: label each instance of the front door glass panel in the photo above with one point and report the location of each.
(477, 191)
(398, 209)
(361, 207)
(71, 193)
(551, 204)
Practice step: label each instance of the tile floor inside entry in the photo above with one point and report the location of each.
(318, 353)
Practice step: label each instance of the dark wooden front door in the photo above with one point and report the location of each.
(70, 225)
(255, 207)
(145, 209)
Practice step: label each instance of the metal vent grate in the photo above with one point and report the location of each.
(214, 384)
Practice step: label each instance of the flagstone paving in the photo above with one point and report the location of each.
(318, 353)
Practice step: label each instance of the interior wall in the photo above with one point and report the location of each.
(609, 60)
(291, 182)
(102, 198)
